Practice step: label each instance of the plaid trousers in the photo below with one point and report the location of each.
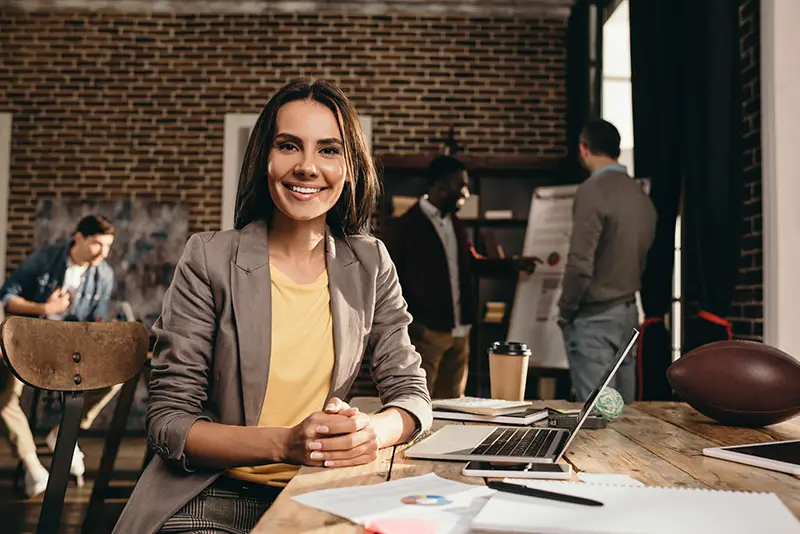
(228, 506)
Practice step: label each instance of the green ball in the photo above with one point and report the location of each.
(609, 404)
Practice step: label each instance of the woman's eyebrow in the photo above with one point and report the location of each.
(288, 137)
(330, 141)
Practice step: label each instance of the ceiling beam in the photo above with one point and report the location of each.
(470, 8)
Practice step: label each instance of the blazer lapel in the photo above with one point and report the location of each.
(251, 294)
(346, 299)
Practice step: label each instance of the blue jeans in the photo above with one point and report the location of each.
(592, 344)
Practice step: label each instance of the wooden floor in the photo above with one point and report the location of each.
(19, 515)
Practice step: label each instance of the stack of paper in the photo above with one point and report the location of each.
(524, 417)
(480, 406)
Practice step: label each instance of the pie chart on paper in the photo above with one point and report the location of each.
(425, 500)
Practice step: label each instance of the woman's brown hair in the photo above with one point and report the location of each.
(351, 213)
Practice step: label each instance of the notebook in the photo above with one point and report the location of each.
(522, 417)
(481, 406)
(640, 510)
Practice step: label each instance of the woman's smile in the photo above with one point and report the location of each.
(303, 193)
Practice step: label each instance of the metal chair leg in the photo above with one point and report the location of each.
(33, 417)
(94, 513)
(19, 474)
(50, 516)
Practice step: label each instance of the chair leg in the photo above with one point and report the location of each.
(50, 516)
(33, 417)
(19, 473)
(94, 513)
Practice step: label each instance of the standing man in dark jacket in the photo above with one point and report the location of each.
(614, 225)
(66, 281)
(431, 251)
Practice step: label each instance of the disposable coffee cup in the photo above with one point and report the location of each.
(508, 369)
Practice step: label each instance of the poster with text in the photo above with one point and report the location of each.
(534, 314)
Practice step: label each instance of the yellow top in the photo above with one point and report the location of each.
(301, 364)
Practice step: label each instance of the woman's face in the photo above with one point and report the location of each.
(307, 170)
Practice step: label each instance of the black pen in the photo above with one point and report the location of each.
(531, 492)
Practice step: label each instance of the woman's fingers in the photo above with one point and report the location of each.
(349, 412)
(347, 442)
(355, 452)
(336, 405)
(359, 460)
(337, 424)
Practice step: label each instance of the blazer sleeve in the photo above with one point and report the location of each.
(395, 364)
(182, 356)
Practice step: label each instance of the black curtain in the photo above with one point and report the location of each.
(712, 135)
(655, 86)
(684, 75)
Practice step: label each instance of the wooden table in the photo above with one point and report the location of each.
(658, 443)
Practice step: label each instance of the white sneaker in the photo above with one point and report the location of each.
(36, 481)
(77, 468)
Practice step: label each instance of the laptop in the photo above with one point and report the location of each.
(511, 444)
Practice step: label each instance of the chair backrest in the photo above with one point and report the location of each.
(72, 356)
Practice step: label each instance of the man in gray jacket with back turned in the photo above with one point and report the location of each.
(614, 224)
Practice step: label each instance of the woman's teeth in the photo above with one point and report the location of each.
(304, 190)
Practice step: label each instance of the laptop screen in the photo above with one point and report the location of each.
(588, 406)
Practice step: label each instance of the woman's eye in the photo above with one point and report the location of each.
(286, 147)
(330, 151)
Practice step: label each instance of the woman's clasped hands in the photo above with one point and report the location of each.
(339, 436)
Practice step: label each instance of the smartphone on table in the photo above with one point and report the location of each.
(516, 470)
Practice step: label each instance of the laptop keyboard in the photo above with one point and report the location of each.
(527, 442)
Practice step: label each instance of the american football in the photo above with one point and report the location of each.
(740, 383)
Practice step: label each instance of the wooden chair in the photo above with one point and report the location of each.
(70, 358)
(102, 489)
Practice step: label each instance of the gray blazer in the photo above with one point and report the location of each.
(212, 356)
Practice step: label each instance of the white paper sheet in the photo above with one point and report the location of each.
(635, 510)
(592, 478)
(610, 479)
(450, 505)
(534, 315)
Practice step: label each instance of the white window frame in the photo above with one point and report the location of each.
(780, 78)
(232, 161)
(5, 179)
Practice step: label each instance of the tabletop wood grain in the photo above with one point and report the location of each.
(658, 443)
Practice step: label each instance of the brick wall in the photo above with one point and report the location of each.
(747, 312)
(109, 105)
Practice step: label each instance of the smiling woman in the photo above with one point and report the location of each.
(309, 136)
(264, 328)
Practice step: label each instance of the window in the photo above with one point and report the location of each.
(617, 104)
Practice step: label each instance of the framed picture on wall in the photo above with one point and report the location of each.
(149, 240)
